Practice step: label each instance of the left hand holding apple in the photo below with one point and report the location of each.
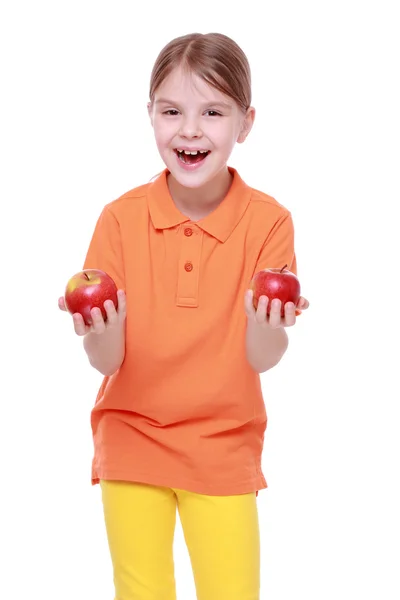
(275, 319)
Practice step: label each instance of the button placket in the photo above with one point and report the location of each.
(188, 272)
(188, 232)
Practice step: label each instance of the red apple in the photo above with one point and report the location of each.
(276, 283)
(89, 289)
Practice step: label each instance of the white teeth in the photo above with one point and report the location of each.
(194, 153)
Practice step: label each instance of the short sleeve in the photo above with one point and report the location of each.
(105, 248)
(278, 248)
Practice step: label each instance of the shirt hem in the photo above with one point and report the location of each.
(254, 484)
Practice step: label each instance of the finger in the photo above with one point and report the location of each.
(121, 304)
(79, 324)
(261, 312)
(61, 304)
(275, 316)
(98, 323)
(302, 303)
(290, 314)
(111, 311)
(248, 303)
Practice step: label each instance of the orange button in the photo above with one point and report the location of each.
(188, 266)
(188, 231)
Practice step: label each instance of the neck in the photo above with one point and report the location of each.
(197, 203)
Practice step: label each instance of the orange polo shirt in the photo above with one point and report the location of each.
(185, 410)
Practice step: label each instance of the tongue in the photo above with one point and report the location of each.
(193, 158)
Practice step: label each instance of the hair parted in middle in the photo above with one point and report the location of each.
(214, 57)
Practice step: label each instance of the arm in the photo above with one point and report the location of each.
(106, 352)
(264, 346)
(266, 338)
(104, 341)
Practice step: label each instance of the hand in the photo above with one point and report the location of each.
(275, 319)
(114, 316)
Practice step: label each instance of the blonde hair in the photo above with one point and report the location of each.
(213, 57)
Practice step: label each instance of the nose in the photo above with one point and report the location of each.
(190, 128)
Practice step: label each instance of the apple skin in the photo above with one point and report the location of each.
(275, 283)
(88, 289)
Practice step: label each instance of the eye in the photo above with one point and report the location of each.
(215, 113)
(168, 112)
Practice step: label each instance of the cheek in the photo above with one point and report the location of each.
(162, 132)
(222, 134)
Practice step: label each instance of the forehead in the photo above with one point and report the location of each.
(187, 85)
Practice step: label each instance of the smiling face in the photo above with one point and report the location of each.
(189, 115)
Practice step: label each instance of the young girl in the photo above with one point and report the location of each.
(179, 419)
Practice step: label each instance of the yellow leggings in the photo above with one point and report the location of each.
(221, 534)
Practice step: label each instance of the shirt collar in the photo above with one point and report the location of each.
(220, 223)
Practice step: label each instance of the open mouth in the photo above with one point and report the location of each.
(190, 158)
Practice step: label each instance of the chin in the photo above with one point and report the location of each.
(192, 180)
(195, 179)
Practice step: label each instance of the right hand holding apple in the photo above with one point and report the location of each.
(94, 302)
(99, 324)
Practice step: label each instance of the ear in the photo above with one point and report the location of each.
(247, 124)
(150, 111)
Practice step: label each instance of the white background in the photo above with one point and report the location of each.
(75, 135)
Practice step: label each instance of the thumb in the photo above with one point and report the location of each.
(61, 304)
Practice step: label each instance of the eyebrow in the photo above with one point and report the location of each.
(172, 103)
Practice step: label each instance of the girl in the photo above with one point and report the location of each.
(179, 419)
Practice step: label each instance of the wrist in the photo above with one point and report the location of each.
(265, 346)
(106, 351)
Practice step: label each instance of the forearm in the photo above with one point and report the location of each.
(264, 346)
(106, 352)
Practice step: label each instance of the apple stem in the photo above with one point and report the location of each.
(283, 268)
(86, 275)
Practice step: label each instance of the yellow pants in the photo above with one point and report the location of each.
(221, 534)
